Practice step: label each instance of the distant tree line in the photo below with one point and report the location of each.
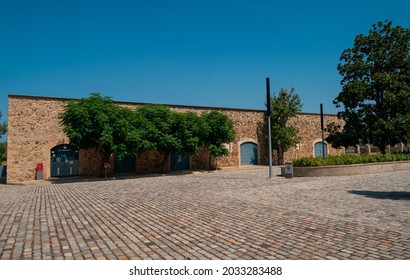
(98, 123)
(3, 145)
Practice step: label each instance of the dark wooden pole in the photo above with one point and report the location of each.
(322, 128)
(269, 113)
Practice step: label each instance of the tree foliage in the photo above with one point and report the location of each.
(3, 145)
(217, 130)
(3, 127)
(284, 106)
(186, 132)
(3, 152)
(97, 123)
(375, 89)
(171, 131)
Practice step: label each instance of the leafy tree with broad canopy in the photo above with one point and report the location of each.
(171, 131)
(217, 130)
(284, 107)
(98, 123)
(186, 132)
(375, 89)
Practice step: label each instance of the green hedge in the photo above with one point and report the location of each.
(349, 159)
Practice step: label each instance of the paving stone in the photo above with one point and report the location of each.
(239, 214)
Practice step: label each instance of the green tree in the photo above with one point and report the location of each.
(375, 89)
(3, 145)
(217, 130)
(284, 107)
(187, 127)
(408, 118)
(171, 131)
(3, 152)
(98, 123)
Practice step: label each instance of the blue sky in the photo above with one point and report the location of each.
(205, 53)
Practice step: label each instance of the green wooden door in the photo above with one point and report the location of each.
(179, 161)
(249, 153)
(125, 164)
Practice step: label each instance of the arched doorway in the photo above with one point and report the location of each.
(124, 164)
(179, 161)
(64, 161)
(319, 149)
(249, 153)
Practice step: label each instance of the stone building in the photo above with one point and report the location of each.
(38, 145)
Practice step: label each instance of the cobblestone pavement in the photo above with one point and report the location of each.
(224, 215)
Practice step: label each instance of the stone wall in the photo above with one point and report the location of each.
(34, 129)
(310, 130)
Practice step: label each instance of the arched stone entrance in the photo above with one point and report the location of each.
(319, 149)
(64, 161)
(179, 161)
(249, 153)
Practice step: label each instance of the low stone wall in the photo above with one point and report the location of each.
(346, 170)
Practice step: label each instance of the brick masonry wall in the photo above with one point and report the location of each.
(33, 129)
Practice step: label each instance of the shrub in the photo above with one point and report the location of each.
(349, 159)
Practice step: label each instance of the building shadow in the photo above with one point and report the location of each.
(116, 177)
(383, 195)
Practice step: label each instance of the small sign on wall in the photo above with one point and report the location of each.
(106, 166)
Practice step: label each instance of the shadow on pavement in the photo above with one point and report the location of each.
(63, 180)
(383, 195)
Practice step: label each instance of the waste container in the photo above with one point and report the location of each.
(288, 170)
(39, 171)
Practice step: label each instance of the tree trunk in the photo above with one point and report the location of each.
(165, 162)
(382, 149)
(105, 159)
(211, 166)
(281, 159)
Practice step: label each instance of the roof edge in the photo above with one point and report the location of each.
(147, 103)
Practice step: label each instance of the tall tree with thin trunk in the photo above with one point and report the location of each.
(217, 131)
(284, 107)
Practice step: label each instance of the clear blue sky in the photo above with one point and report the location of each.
(205, 53)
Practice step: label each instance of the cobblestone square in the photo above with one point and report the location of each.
(235, 214)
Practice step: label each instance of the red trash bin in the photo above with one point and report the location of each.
(39, 171)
